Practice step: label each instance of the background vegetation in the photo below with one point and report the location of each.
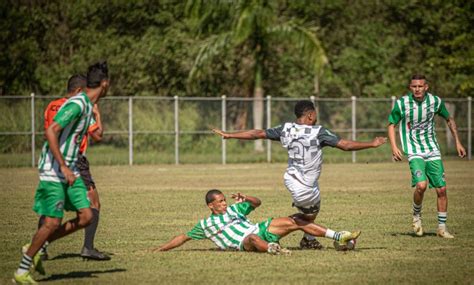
(241, 48)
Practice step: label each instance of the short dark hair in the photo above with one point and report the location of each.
(418, 77)
(76, 81)
(302, 107)
(96, 73)
(210, 195)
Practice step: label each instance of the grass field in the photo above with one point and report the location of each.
(144, 206)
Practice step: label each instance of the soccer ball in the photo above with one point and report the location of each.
(350, 245)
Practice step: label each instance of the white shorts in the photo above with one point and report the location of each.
(305, 198)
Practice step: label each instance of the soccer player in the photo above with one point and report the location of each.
(415, 112)
(304, 141)
(229, 228)
(60, 187)
(75, 85)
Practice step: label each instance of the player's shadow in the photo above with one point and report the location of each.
(73, 255)
(81, 274)
(413, 235)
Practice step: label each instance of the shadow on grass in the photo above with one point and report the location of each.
(81, 274)
(73, 255)
(412, 234)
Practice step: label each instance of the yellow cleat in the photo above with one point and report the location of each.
(443, 233)
(417, 228)
(276, 249)
(24, 278)
(37, 260)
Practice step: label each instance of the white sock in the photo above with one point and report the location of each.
(330, 234)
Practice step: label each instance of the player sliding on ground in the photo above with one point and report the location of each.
(304, 141)
(229, 228)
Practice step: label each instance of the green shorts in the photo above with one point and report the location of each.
(433, 170)
(264, 234)
(52, 198)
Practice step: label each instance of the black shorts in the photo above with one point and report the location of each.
(313, 210)
(83, 165)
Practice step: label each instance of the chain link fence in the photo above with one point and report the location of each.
(155, 130)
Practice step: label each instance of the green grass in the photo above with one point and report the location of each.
(144, 206)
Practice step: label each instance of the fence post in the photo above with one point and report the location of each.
(316, 107)
(469, 127)
(354, 135)
(33, 135)
(223, 126)
(176, 130)
(269, 123)
(130, 131)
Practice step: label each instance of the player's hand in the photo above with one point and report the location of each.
(378, 141)
(223, 134)
(70, 177)
(239, 198)
(397, 154)
(461, 150)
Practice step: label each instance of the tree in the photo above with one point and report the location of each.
(251, 28)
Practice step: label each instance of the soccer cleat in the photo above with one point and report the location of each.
(93, 254)
(276, 249)
(417, 228)
(444, 233)
(37, 259)
(347, 236)
(24, 278)
(310, 244)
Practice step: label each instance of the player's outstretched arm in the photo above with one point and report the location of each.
(454, 131)
(52, 134)
(175, 242)
(242, 135)
(254, 201)
(349, 145)
(396, 153)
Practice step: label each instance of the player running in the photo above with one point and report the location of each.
(304, 141)
(60, 185)
(415, 112)
(229, 228)
(76, 84)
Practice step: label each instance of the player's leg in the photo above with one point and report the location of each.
(283, 226)
(49, 201)
(88, 250)
(419, 181)
(76, 200)
(255, 243)
(435, 173)
(306, 200)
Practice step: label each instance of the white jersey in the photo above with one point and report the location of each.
(304, 144)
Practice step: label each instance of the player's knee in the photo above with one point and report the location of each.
(441, 191)
(421, 186)
(52, 224)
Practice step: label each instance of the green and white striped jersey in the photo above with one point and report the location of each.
(226, 230)
(417, 124)
(74, 117)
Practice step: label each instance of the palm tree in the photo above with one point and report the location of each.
(256, 25)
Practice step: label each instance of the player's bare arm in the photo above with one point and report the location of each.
(173, 243)
(454, 131)
(97, 133)
(52, 134)
(242, 135)
(349, 145)
(254, 201)
(396, 153)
